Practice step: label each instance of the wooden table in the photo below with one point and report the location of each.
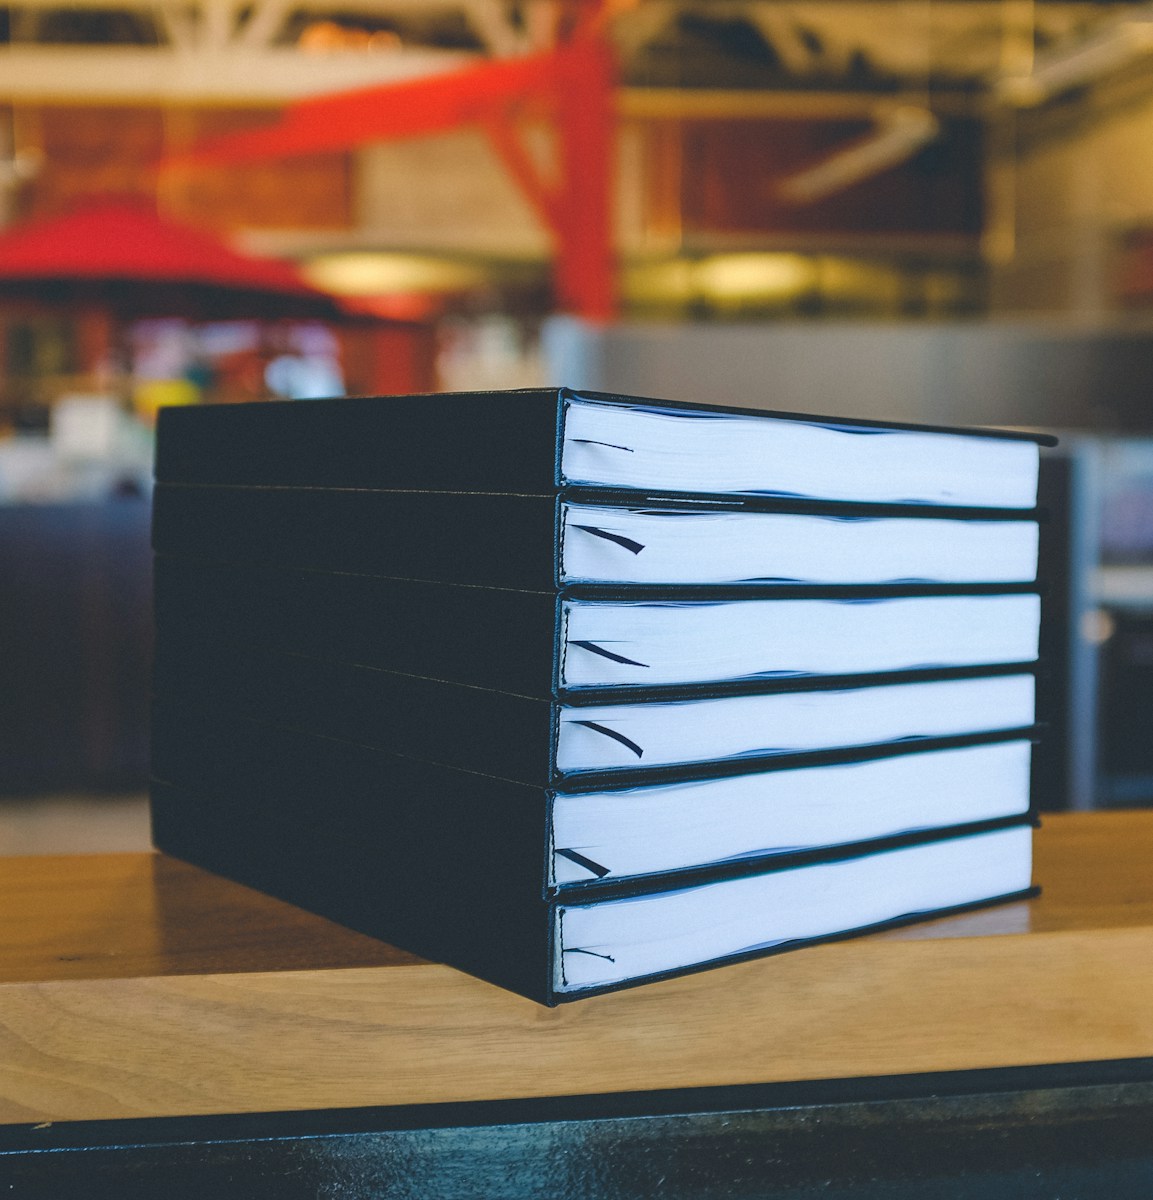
(137, 986)
(165, 1032)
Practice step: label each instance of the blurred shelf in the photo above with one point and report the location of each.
(1123, 586)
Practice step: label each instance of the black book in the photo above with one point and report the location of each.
(548, 643)
(591, 738)
(464, 868)
(547, 489)
(536, 441)
(583, 541)
(609, 826)
(454, 865)
(493, 639)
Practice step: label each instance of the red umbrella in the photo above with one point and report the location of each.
(121, 256)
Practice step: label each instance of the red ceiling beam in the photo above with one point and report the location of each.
(573, 86)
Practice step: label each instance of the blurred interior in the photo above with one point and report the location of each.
(927, 210)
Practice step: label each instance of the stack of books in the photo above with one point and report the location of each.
(575, 691)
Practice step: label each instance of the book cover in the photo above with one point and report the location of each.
(465, 672)
(535, 441)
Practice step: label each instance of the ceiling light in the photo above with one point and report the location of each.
(370, 274)
(330, 37)
(753, 276)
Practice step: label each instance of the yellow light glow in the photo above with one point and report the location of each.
(754, 276)
(329, 37)
(366, 274)
(669, 282)
(847, 279)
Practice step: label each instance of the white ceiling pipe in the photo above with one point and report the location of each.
(899, 134)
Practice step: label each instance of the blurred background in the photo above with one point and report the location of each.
(928, 210)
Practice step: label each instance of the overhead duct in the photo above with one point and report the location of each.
(899, 134)
(1108, 49)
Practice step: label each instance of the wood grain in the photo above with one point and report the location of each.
(1094, 873)
(223, 1008)
(112, 916)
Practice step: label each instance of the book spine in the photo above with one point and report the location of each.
(383, 844)
(466, 442)
(498, 541)
(491, 733)
(498, 639)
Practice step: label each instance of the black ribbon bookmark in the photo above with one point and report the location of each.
(588, 864)
(620, 539)
(617, 737)
(631, 662)
(594, 442)
(593, 953)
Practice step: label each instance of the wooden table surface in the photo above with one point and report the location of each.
(135, 985)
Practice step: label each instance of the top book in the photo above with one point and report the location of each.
(539, 441)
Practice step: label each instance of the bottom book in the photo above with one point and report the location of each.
(454, 865)
(639, 937)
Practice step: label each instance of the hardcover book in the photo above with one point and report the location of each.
(576, 690)
(471, 870)
(542, 741)
(543, 643)
(535, 441)
(545, 542)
